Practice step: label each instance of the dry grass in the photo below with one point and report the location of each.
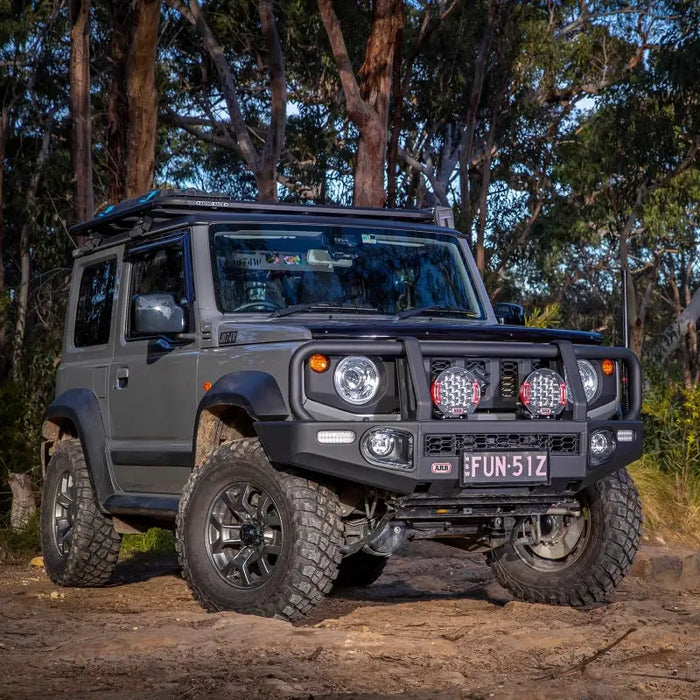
(671, 503)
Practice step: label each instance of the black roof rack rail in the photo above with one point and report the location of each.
(163, 204)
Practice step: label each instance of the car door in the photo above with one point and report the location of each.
(152, 379)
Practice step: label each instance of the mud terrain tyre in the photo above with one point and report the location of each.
(598, 562)
(256, 539)
(360, 569)
(78, 542)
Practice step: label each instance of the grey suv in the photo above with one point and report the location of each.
(302, 389)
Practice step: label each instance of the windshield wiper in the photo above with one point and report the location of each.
(320, 306)
(435, 310)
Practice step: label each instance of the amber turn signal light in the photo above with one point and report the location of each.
(608, 367)
(207, 386)
(319, 363)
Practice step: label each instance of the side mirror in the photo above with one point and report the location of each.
(158, 314)
(510, 314)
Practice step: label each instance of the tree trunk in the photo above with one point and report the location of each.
(4, 126)
(142, 97)
(367, 101)
(484, 194)
(80, 108)
(25, 269)
(467, 150)
(118, 105)
(23, 503)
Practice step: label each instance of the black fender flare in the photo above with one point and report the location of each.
(81, 408)
(257, 393)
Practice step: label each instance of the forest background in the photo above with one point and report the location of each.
(564, 135)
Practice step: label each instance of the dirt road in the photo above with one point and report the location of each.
(436, 625)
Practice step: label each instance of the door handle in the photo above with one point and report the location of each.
(122, 378)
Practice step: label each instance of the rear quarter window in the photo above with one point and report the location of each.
(93, 314)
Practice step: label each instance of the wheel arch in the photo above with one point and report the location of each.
(76, 413)
(229, 410)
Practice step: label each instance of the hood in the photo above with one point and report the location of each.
(441, 330)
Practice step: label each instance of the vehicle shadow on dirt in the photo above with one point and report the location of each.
(143, 567)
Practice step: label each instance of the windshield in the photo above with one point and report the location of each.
(263, 267)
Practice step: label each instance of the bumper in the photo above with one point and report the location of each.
(295, 443)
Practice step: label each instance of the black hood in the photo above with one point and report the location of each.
(443, 330)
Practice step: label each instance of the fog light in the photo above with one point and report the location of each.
(381, 444)
(388, 447)
(625, 435)
(602, 445)
(335, 437)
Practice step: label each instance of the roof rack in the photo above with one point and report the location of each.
(163, 204)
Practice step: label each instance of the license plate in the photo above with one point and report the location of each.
(483, 468)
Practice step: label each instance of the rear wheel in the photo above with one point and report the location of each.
(577, 560)
(78, 542)
(255, 539)
(360, 569)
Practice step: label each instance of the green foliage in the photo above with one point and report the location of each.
(547, 317)
(672, 428)
(154, 541)
(20, 545)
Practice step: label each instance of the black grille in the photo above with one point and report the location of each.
(446, 445)
(509, 379)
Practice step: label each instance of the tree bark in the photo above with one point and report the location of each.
(25, 266)
(142, 97)
(263, 165)
(80, 108)
(118, 105)
(4, 126)
(468, 139)
(484, 194)
(367, 99)
(23, 502)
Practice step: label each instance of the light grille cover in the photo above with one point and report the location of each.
(456, 392)
(543, 393)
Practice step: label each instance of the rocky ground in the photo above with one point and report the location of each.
(436, 625)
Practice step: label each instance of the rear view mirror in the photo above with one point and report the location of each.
(510, 314)
(158, 314)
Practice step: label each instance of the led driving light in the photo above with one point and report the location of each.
(625, 435)
(589, 379)
(356, 380)
(456, 391)
(388, 447)
(543, 393)
(602, 445)
(335, 437)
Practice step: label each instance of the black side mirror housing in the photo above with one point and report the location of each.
(509, 314)
(158, 314)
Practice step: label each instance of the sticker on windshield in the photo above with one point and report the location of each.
(369, 238)
(266, 260)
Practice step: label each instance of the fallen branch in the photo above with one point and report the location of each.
(562, 671)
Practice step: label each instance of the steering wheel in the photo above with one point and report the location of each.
(258, 306)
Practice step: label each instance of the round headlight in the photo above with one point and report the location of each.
(456, 391)
(589, 379)
(543, 393)
(356, 380)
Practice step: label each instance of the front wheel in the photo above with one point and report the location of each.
(577, 560)
(78, 541)
(255, 539)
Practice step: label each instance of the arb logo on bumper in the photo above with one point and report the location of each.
(441, 467)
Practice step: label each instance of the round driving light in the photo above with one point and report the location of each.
(589, 379)
(543, 393)
(356, 380)
(381, 444)
(608, 367)
(456, 391)
(319, 363)
(602, 445)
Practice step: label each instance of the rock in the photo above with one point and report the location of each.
(37, 562)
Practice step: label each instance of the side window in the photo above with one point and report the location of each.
(158, 269)
(93, 315)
